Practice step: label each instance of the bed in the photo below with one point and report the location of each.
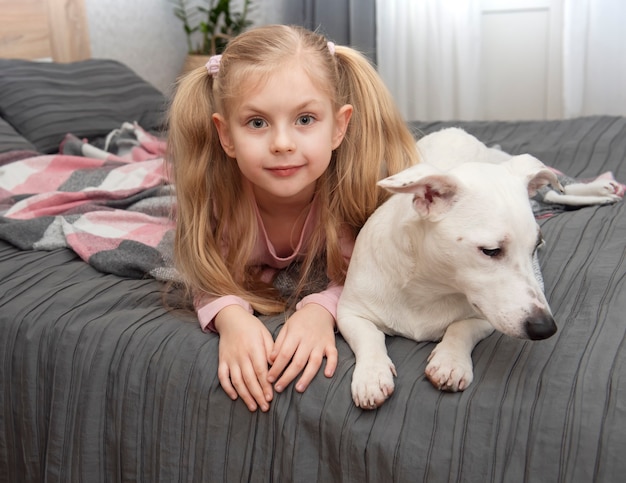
(99, 382)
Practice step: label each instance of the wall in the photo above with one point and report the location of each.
(146, 36)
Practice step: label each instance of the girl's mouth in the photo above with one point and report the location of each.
(285, 171)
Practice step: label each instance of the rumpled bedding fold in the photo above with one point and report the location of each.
(111, 205)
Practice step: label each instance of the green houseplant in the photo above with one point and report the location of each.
(209, 24)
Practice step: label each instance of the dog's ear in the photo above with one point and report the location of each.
(434, 192)
(534, 172)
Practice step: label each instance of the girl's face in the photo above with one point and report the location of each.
(282, 134)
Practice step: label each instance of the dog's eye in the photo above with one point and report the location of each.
(491, 252)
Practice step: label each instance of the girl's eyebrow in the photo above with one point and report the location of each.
(308, 103)
(300, 107)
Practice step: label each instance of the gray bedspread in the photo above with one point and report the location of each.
(98, 382)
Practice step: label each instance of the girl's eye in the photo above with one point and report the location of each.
(491, 252)
(305, 120)
(256, 123)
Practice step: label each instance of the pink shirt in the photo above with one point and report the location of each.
(265, 255)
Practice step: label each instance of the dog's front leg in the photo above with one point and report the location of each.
(450, 365)
(372, 379)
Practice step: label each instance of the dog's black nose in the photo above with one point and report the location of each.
(540, 325)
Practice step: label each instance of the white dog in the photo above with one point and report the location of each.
(449, 257)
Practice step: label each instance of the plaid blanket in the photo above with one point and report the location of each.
(111, 204)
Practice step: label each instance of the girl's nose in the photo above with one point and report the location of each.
(282, 142)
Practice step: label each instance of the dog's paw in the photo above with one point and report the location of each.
(603, 190)
(608, 190)
(448, 371)
(372, 382)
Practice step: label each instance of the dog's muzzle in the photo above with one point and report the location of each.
(540, 325)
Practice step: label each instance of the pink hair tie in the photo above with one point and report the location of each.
(213, 65)
(331, 47)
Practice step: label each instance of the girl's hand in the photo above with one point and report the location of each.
(306, 338)
(245, 344)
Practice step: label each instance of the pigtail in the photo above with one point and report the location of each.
(191, 139)
(378, 143)
(378, 138)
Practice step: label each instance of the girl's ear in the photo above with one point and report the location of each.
(223, 131)
(342, 119)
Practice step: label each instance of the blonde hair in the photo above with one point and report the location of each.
(216, 227)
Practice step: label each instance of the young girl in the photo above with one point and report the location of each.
(276, 147)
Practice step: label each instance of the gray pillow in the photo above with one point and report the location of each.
(44, 101)
(10, 140)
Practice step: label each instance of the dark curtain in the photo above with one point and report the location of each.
(346, 22)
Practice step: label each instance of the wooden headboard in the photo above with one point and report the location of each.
(44, 29)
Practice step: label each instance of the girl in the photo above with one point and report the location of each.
(276, 147)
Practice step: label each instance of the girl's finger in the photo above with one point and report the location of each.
(281, 361)
(331, 361)
(302, 360)
(261, 379)
(238, 379)
(223, 374)
(276, 347)
(254, 375)
(315, 361)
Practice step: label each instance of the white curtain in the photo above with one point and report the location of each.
(428, 54)
(594, 57)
